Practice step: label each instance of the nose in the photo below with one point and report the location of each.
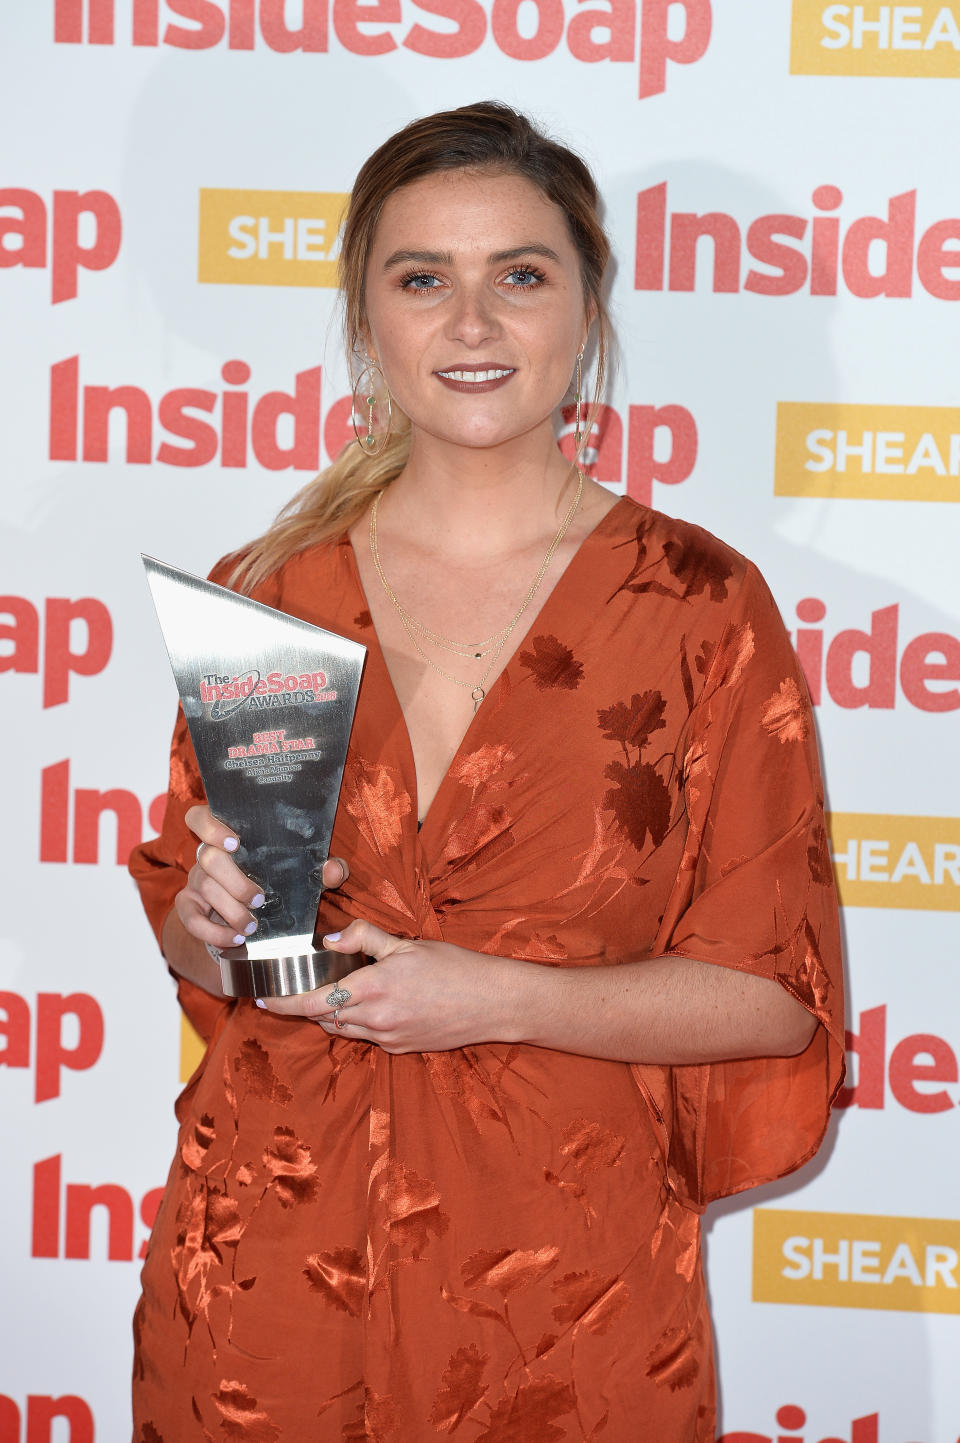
(473, 316)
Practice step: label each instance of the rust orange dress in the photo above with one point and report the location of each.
(501, 1243)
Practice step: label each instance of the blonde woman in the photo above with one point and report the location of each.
(582, 847)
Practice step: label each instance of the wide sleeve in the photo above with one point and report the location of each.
(755, 892)
(159, 867)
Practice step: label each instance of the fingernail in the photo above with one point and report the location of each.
(251, 927)
(231, 844)
(258, 900)
(260, 1003)
(332, 937)
(239, 940)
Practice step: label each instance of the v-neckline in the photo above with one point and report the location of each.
(423, 823)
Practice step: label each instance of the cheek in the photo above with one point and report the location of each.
(400, 342)
(400, 371)
(553, 342)
(555, 364)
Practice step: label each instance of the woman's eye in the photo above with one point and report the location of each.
(525, 278)
(521, 278)
(420, 281)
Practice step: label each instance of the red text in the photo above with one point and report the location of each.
(24, 236)
(41, 1412)
(226, 688)
(50, 1050)
(658, 443)
(84, 623)
(607, 31)
(181, 414)
(63, 1216)
(661, 446)
(862, 1430)
(89, 807)
(790, 261)
(925, 663)
(922, 1058)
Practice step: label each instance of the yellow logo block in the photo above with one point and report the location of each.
(883, 861)
(854, 1260)
(875, 39)
(270, 237)
(192, 1048)
(868, 453)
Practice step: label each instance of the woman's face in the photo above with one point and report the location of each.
(475, 306)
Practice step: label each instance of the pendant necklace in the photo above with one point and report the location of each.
(475, 651)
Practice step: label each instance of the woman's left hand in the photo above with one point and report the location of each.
(417, 997)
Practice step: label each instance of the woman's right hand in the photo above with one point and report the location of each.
(218, 904)
(217, 907)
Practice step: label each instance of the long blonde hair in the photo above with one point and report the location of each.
(488, 136)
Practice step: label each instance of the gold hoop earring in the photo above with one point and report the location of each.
(578, 432)
(373, 397)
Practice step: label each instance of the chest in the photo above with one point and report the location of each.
(446, 636)
(554, 828)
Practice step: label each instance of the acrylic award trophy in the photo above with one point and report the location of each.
(269, 701)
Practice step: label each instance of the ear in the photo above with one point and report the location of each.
(365, 343)
(589, 316)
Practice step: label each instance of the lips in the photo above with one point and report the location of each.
(475, 380)
(475, 374)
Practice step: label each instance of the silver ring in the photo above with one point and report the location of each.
(338, 997)
(336, 1019)
(199, 850)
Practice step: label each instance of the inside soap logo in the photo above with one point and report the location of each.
(650, 34)
(876, 39)
(269, 237)
(883, 861)
(225, 694)
(848, 1260)
(832, 252)
(868, 453)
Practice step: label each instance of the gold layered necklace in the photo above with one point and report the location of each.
(469, 650)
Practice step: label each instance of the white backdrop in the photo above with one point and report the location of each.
(790, 384)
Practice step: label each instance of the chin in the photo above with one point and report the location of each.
(470, 438)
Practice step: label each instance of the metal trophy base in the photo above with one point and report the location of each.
(287, 975)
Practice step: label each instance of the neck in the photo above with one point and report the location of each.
(480, 503)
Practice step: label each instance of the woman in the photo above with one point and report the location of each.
(585, 851)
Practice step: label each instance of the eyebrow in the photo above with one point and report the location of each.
(445, 258)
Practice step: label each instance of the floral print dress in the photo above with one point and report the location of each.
(501, 1244)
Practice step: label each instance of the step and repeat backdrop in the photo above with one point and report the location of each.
(780, 184)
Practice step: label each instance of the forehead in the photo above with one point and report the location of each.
(470, 210)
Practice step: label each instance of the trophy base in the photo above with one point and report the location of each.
(288, 975)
